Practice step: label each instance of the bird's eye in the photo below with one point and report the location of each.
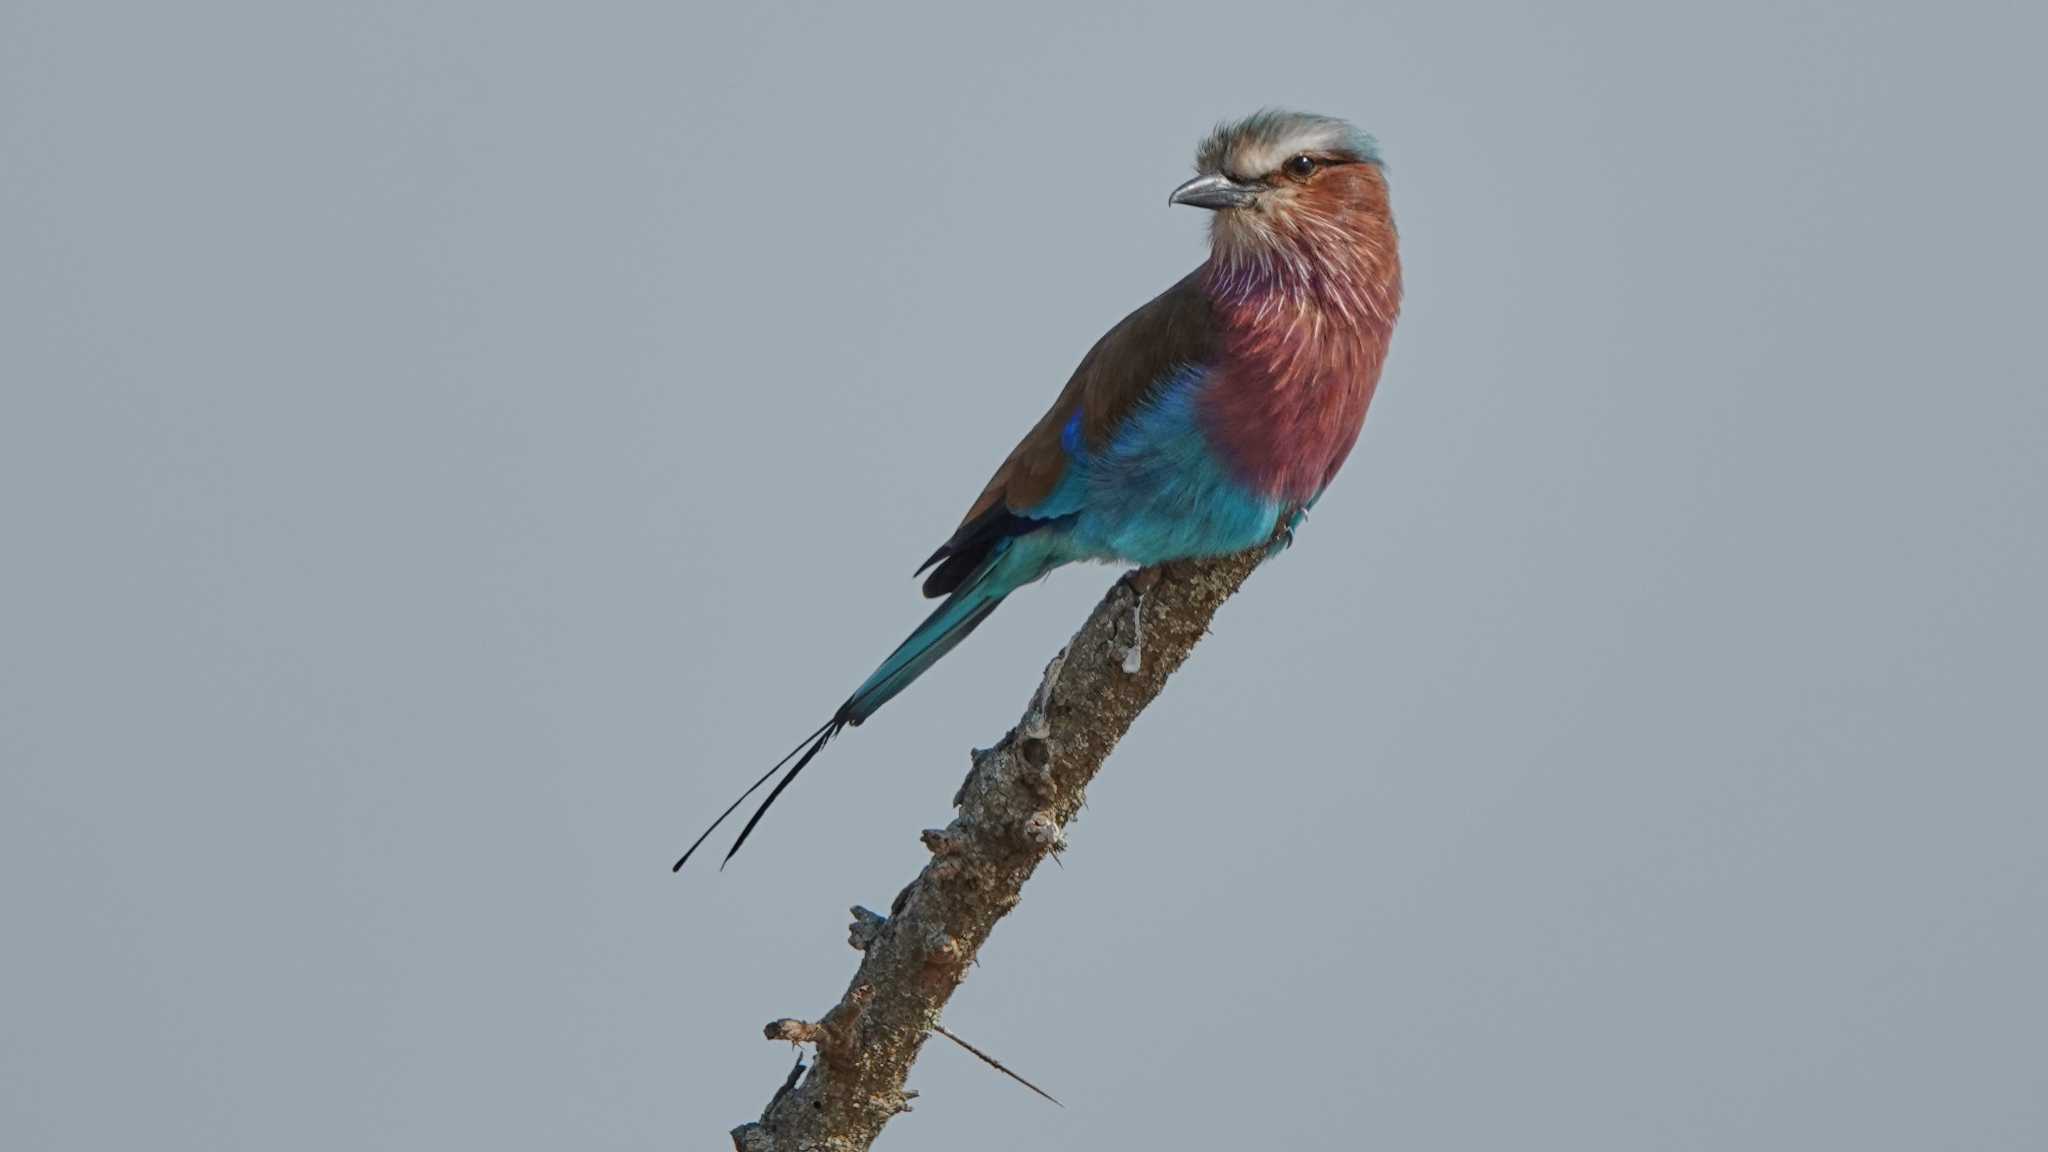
(1300, 166)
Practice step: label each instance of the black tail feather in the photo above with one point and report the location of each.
(821, 738)
(826, 730)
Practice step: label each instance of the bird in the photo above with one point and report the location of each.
(1208, 421)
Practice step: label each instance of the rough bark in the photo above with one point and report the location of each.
(1013, 809)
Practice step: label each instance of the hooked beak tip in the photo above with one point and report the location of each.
(1214, 192)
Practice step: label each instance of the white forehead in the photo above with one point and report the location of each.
(1260, 143)
(1260, 155)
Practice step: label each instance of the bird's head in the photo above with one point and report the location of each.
(1288, 188)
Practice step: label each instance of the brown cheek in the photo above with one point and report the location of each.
(1351, 186)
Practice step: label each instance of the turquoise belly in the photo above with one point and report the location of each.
(1158, 492)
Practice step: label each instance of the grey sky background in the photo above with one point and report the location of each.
(446, 449)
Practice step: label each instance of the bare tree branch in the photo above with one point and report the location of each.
(1014, 808)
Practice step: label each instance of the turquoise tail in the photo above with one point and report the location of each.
(961, 614)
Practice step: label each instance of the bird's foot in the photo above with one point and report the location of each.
(1284, 539)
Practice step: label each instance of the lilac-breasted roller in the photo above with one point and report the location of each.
(1205, 422)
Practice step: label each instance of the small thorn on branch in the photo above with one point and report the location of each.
(995, 1064)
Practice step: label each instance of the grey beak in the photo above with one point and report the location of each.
(1214, 192)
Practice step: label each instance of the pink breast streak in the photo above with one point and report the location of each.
(1291, 395)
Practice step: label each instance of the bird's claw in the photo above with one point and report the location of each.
(1284, 539)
